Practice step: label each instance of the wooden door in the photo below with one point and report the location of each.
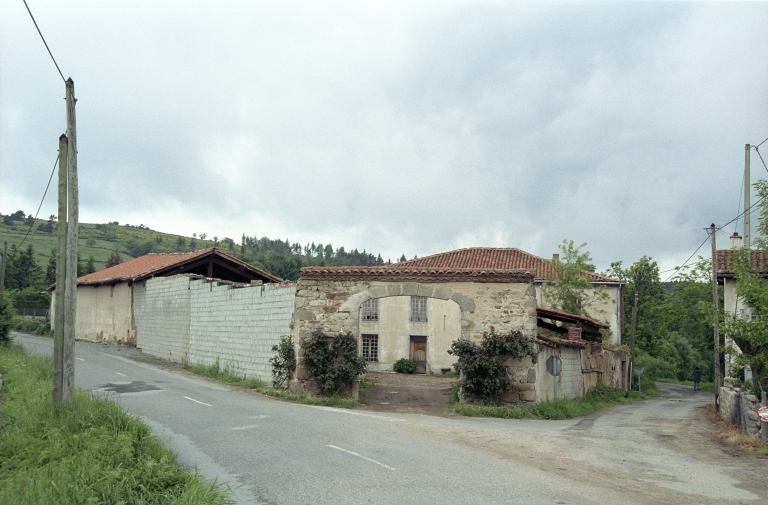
(419, 353)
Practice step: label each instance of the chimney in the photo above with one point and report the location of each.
(574, 333)
(556, 257)
(735, 240)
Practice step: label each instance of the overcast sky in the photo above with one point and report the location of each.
(406, 127)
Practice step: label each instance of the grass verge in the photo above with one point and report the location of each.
(231, 375)
(732, 435)
(597, 399)
(709, 387)
(89, 452)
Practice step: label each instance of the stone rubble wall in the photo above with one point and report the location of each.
(729, 409)
(194, 320)
(333, 307)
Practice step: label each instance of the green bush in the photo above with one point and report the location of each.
(404, 365)
(6, 321)
(483, 375)
(332, 362)
(283, 362)
(655, 368)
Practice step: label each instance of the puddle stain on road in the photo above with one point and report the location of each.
(127, 387)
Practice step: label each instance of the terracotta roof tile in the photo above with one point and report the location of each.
(496, 259)
(421, 274)
(723, 258)
(151, 264)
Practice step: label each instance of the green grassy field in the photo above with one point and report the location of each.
(94, 240)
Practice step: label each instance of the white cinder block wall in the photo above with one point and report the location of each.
(235, 325)
(161, 313)
(570, 380)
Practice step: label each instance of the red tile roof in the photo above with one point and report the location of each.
(494, 259)
(568, 318)
(156, 264)
(723, 258)
(397, 273)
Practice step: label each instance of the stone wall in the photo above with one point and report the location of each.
(583, 370)
(603, 304)
(195, 320)
(333, 306)
(729, 409)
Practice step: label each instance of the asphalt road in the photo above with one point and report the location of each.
(275, 452)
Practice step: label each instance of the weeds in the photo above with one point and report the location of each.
(91, 451)
(230, 375)
(709, 387)
(564, 408)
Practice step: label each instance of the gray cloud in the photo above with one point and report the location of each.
(412, 128)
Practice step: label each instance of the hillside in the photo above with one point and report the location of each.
(278, 257)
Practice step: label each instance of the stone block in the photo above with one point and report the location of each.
(425, 290)
(528, 396)
(442, 292)
(510, 398)
(465, 303)
(394, 289)
(532, 375)
(378, 292)
(410, 289)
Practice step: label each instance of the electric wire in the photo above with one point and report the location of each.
(44, 42)
(738, 207)
(761, 143)
(41, 201)
(677, 269)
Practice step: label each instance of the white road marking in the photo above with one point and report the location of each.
(260, 416)
(353, 413)
(246, 427)
(361, 457)
(201, 403)
(118, 373)
(80, 359)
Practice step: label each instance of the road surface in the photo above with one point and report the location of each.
(275, 452)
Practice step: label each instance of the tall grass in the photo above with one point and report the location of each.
(564, 408)
(231, 375)
(89, 452)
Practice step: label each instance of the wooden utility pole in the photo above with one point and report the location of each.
(632, 343)
(61, 277)
(3, 259)
(747, 187)
(70, 297)
(716, 306)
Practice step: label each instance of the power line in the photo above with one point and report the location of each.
(738, 207)
(761, 143)
(41, 201)
(686, 261)
(761, 156)
(44, 42)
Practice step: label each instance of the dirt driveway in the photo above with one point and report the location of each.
(412, 393)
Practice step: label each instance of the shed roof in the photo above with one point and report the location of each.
(494, 258)
(207, 261)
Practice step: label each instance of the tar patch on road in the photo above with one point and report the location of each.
(128, 387)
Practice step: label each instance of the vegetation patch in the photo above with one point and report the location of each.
(225, 373)
(483, 375)
(709, 387)
(89, 452)
(332, 362)
(597, 399)
(283, 362)
(404, 365)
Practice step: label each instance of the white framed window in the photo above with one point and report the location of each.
(371, 348)
(419, 309)
(371, 310)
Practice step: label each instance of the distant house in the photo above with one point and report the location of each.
(105, 299)
(732, 304)
(609, 311)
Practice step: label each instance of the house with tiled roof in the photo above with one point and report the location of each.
(106, 299)
(416, 309)
(732, 304)
(604, 302)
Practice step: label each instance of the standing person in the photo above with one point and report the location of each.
(696, 378)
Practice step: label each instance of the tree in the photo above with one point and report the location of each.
(50, 270)
(90, 266)
(114, 260)
(570, 288)
(22, 270)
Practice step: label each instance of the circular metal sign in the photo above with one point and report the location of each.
(554, 365)
(762, 412)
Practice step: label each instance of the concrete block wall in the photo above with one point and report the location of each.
(162, 316)
(185, 319)
(239, 325)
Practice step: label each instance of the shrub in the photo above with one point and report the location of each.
(655, 368)
(6, 320)
(404, 365)
(283, 362)
(482, 366)
(332, 362)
